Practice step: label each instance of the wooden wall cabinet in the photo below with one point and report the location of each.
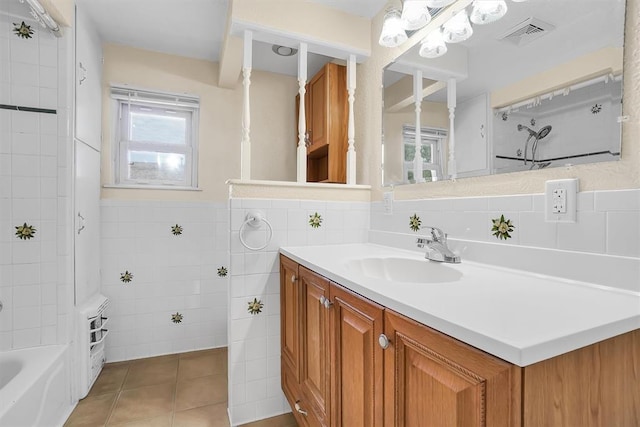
(326, 112)
(335, 370)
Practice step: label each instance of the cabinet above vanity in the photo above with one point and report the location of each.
(485, 347)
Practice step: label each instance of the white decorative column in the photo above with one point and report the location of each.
(451, 104)
(302, 116)
(418, 161)
(245, 148)
(351, 129)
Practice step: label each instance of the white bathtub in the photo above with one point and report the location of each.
(34, 387)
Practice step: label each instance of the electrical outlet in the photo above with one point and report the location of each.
(561, 200)
(387, 202)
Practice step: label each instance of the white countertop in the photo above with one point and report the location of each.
(518, 316)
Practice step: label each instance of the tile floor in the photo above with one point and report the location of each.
(181, 390)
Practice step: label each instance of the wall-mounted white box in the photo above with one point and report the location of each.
(561, 200)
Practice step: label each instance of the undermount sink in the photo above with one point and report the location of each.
(404, 270)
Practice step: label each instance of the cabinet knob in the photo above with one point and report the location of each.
(299, 409)
(383, 341)
(293, 279)
(325, 301)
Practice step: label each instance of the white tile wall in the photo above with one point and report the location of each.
(32, 145)
(254, 340)
(608, 222)
(170, 274)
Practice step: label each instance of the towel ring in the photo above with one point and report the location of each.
(253, 220)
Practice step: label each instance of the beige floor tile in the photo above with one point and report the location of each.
(143, 402)
(204, 416)
(285, 420)
(201, 391)
(200, 365)
(155, 371)
(91, 411)
(161, 421)
(110, 379)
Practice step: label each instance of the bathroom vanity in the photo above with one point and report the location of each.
(475, 346)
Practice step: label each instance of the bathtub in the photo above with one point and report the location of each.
(34, 387)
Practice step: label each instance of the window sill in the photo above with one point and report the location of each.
(150, 187)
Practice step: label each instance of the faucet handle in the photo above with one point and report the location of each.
(437, 234)
(421, 241)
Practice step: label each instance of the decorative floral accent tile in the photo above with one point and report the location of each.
(414, 222)
(502, 227)
(126, 277)
(505, 116)
(23, 30)
(25, 231)
(315, 220)
(255, 306)
(176, 318)
(176, 230)
(596, 109)
(222, 271)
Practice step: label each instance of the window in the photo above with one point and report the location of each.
(431, 141)
(156, 138)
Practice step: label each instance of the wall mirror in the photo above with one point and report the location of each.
(539, 88)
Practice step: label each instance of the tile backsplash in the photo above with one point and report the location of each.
(608, 222)
(150, 274)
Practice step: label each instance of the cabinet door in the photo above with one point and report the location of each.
(317, 111)
(315, 374)
(88, 81)
(87, 222)
(434, 380)
(357, 369)
(290, 316)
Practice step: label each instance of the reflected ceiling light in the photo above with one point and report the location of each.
(458, 28)
(433, 45)
(487, 11)
(438, 3)
(393, 33)
(415, 14)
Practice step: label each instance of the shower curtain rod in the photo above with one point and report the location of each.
(41, 15)
(533, 101)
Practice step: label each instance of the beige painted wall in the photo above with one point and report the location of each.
(622, 174)
(272, 125)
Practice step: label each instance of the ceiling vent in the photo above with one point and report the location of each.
(527, 31)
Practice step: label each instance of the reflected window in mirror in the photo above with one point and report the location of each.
(431, 149)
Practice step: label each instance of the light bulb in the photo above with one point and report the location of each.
(487, 11)
(415, 14)
(433, 45)
(433, 4)
(392, 34)
(458, 28)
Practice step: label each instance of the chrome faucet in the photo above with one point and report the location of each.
(437, 249)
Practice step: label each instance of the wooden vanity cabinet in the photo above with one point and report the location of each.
(339, 360)
(326, 112)
(334, 367)
(434, 380)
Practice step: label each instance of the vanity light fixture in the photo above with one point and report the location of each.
(487, 11)
(393, 33)
(458, 28)
(415, 14)
(433, 45)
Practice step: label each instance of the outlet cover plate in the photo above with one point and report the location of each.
(561, 200)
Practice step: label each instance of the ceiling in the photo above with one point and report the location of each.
(195, 28)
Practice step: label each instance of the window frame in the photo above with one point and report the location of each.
(124, 99)
(435, 138)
